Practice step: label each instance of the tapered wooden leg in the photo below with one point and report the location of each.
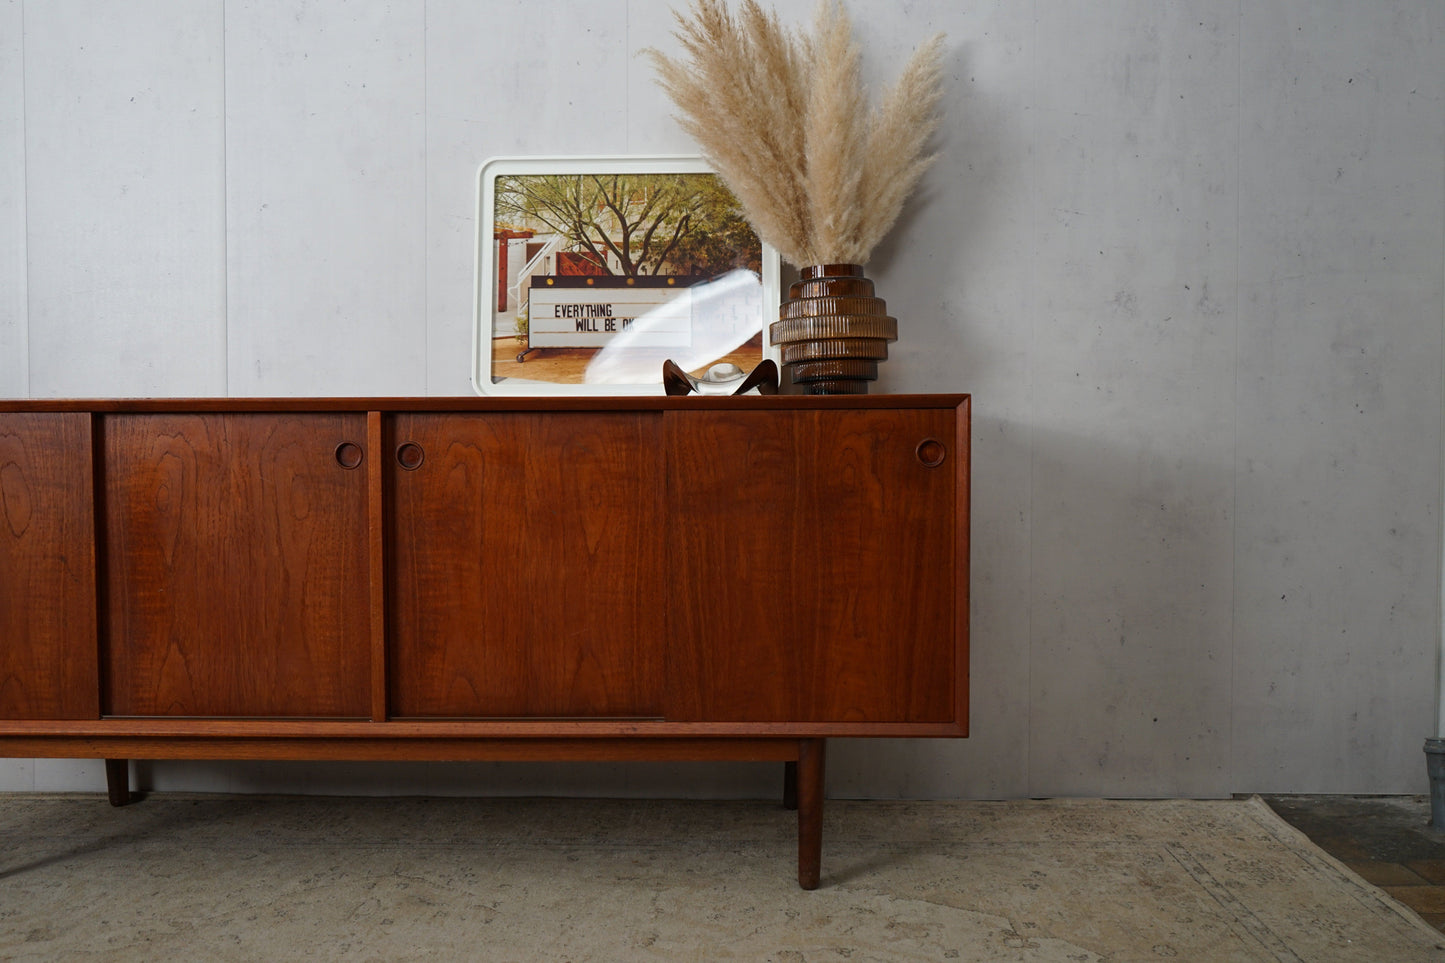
(810, 812)
(117, 781)
(790, 785)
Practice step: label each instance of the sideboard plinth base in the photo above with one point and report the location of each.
(803, 760)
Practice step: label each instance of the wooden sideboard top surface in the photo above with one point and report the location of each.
(489, 404)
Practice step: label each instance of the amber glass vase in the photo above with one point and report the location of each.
(832, 332)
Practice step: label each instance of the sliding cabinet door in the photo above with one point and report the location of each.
(48, 662)
(812, 562)
(236, 565)
(525, 564)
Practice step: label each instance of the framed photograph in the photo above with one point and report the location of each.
(593, 271)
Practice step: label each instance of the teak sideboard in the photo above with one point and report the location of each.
(447, 579)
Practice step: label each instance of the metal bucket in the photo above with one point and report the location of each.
(1435, 761)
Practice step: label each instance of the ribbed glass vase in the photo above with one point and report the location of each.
(832, 332)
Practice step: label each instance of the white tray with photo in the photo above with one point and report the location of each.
(593, 271)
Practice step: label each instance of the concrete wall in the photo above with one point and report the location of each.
(1188, 257)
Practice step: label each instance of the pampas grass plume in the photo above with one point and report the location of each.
(785, 121)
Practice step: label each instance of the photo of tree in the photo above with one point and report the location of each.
(635, 224)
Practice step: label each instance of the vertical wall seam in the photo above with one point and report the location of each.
(1032, 406)
(1232, 774)
(225, 215)
(425, 200)
(26, 384)
(627, 77)
(1440, 555)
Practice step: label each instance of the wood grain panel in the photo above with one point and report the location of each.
(48, 661)
(526, 565)
(811, 561)
(237, 566)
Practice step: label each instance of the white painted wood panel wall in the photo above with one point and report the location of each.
(1189, 258)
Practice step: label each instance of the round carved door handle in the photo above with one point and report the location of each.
(931, 452)
(410, 456)
(348, 455)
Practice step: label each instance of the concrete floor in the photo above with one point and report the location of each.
(240, 878)
(1388, 840)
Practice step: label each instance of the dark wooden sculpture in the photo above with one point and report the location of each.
(763, 379)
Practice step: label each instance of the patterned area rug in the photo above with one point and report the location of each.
(250, 878)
